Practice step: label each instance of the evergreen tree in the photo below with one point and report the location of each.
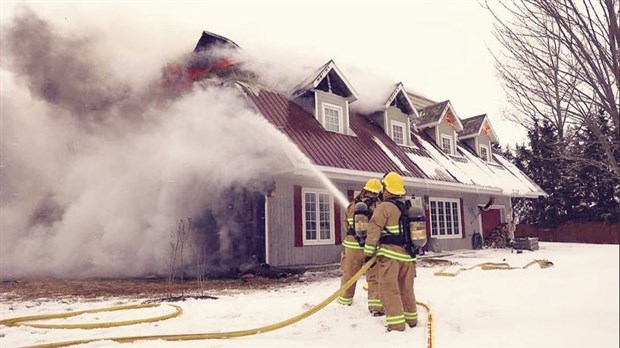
(599, 189)
(544, 163)
(576, 192)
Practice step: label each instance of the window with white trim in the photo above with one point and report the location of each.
(445, 217)
(398, 132)
(332, 118)
(446, 144)
(318, 221)
(484, 152)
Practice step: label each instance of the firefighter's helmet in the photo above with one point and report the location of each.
(394, 184)
(373, 185)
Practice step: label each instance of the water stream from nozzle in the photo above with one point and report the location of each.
(330, 185)
(299, 155)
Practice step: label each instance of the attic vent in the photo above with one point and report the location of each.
(324, 86)
(332, 83)
(401, 103)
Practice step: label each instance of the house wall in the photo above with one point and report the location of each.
(447, 129)
(281, 247)
(484, 140)
(394, 114)
(469, 209)
(330, 98)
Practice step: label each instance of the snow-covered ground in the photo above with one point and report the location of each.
(573, 304)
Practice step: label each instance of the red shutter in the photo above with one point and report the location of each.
(462, 219)
(427, 212)
(299, 238)
(337, 224)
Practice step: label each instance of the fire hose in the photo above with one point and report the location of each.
(491, 266)
(184, 337)
(27, 321)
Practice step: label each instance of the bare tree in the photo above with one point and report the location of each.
(178, 241)
(560, 62)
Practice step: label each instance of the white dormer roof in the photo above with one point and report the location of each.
(328, 69)
(400, 91)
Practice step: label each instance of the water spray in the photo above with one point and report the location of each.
(330, 185)
(298, 158)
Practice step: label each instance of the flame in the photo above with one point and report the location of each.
(450, 120)
(200, 72)
(486, 129)
(178, 76)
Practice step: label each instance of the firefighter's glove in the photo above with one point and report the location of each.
(367, 258)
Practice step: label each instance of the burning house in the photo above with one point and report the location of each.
(446, 160)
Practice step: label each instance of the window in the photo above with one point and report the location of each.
(445, 217)
(446, 144)
(332, 118)
(318, 214)
(398, 132)
(484, 152)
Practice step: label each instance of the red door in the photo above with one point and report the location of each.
(490, 219)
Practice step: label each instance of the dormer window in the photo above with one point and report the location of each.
(446, 144)
(478, 134)
(332, 118)
(398, 132)
(327, 94)
(484, 153)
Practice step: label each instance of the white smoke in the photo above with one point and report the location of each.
(98, 162)
(95, 173)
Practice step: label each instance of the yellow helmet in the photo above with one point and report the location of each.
(373, 185)
(394, 183)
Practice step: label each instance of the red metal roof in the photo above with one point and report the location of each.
(355, 152)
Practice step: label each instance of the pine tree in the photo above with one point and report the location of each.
(544, 162)
(599, 190)
(576, 191)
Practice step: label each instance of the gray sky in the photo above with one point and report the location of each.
(436, 48)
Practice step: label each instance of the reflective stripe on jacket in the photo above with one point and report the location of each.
(351, 243)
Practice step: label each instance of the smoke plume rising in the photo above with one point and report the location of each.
(96, 170)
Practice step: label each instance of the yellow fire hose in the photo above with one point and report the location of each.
(429, 325)
(492, 265)
(27, 321)
(185, 337)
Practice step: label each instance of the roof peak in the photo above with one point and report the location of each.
(328, 71)
(208, 39)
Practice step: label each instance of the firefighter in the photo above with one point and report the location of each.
(395, 265)
(352, 256)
